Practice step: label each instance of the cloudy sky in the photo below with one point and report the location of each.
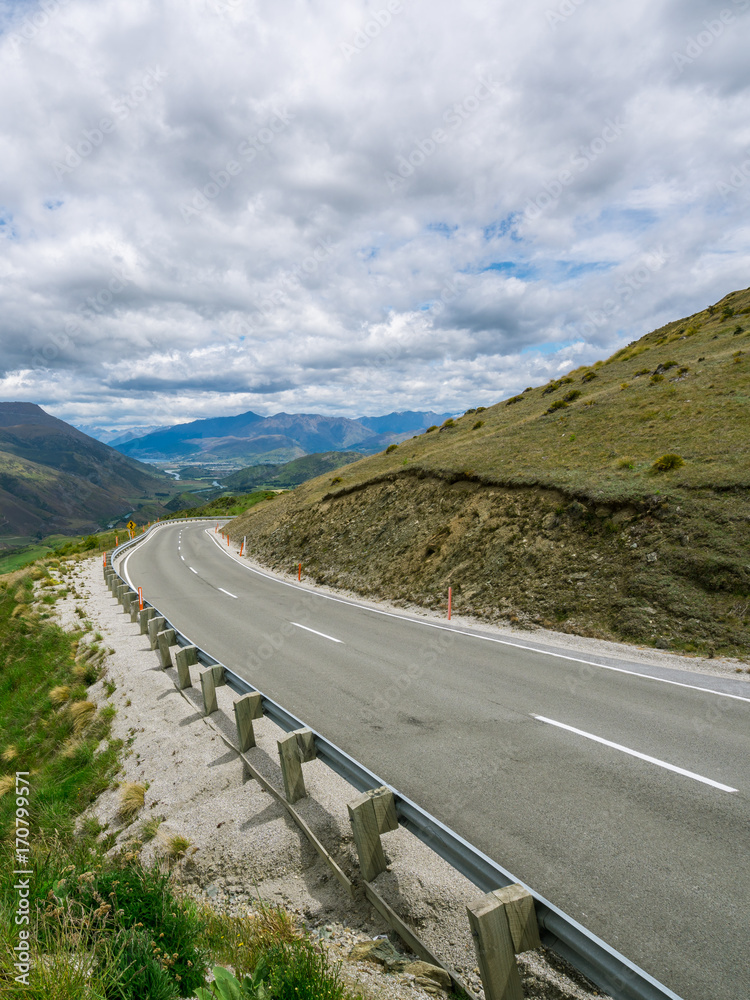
(209, 206)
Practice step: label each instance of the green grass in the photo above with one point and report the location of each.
(22, 557)
(37, 657)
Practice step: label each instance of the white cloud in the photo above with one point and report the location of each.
(214, 206)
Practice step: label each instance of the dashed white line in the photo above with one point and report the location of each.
(183, 558)
(314, 632)
(228, 594)
(193, 570)
(636, 753)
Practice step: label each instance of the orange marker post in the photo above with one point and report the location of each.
(242, 547)
(299, 572)
(450, 601)
(104, 558)
(140, 598)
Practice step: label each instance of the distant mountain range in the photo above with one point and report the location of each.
(118, 435)
(56, 479)
(252, 439)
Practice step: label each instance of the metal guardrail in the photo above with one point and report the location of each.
(602, 964)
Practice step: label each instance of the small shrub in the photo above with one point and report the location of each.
(336, 479)
(641, 371)
(624, 385)
(481, 409)
(559, 404)
(589, 376)
(390, 448)
(469, 412)
(60, 694)
(88, 673)
(450, 422)
(737, 331)
(109, 688)
(625, 463)
(667, 462)
(82, 713)
(429, 430)
(550, 388)
(656, 377)
(574, 394)
(150, 828)
(477, 425)
(513, 399)
(132, 796)
(727, 312)
(178, 846)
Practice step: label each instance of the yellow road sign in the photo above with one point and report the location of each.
(131, 525)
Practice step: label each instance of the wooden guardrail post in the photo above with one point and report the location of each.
(144, 617)
(372, 813)
(183, 658)
(164, 640)
(155, 626)
(127, 601)
(503, 923)
(246, 710)
(295, 749)
(208, 690)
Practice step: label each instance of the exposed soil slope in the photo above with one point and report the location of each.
(550, 507)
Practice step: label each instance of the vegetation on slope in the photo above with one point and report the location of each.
(225, 506)
(613, 501)
(290, 474)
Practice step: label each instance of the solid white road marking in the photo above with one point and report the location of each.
(636, 753)
(474, 635)
(316, 633)
(228, 594)
(183, 558)
(193, 570)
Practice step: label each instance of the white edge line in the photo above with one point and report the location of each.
(636, 753)
(228, 594)
(473, 635)
(193, 570)
(316, 632)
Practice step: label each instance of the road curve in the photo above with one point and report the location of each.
(621, 797)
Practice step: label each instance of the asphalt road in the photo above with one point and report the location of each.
(647, 848)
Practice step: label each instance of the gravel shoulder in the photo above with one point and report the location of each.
(245, 847)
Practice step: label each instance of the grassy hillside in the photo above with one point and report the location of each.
(53, 478)
(290, 474)
(559, 506)
(225, 506)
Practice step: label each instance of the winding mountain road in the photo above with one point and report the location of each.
(619, 792)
